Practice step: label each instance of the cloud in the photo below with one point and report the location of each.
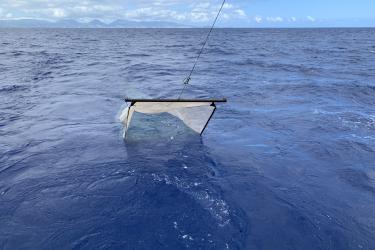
(258, 19)
(154, 13)
(205, 11)
(59, 13)
(191, 11)
(4, 14)
(228, 6)
(275, 19)
(241, 13)
(310, 18)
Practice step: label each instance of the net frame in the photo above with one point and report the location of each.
(175, 103)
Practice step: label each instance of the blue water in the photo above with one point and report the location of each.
(287, 163)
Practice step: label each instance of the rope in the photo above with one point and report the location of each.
(188, 78)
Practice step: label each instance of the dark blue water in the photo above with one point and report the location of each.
(288, 163)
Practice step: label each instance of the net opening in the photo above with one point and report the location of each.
(194, 113)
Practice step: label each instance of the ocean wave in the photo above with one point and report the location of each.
(300, 112)
(13, 88)
(217, 207)
(358, 179)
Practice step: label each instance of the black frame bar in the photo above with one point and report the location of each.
(209, 119)
(175, 100)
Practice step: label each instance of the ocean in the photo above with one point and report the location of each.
(287, 163)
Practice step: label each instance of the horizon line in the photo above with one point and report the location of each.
(231, 27)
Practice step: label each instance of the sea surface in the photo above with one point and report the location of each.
(287, 163)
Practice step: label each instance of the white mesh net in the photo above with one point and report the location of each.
(194, 115)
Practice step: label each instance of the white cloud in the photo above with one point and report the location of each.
(199, 17)
(205, 12)
(293, 19)
(258, 19)
(241, 13)
(189, 11)
(228, 6)
(59, 13)
(275, 19)
(225, 16)
(310, 18)
(201, 6)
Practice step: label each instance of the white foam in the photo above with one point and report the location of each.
(217, 207)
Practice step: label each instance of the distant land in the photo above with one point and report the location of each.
(69, 23)
(122, 23)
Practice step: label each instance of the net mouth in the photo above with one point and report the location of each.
(193, 113)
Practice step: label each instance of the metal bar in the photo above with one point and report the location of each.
(175, 100)
(209, 119)
(127, 119)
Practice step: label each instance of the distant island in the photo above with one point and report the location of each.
(123, 23)
(69, 23)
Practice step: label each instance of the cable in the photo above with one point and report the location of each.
(188, 78)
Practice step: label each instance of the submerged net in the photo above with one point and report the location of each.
(195, 115)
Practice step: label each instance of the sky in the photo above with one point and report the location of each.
(236, 13)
